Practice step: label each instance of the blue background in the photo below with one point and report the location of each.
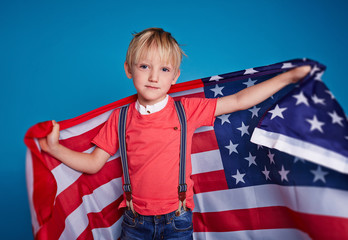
(59, 59)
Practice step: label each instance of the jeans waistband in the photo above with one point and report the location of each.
(154, 218)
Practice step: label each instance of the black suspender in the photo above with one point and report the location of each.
(182, 188)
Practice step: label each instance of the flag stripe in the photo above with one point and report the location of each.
(275, 195)
(302, 149)
(269, 234)
(318, 227)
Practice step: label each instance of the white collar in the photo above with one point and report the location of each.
(148, 109)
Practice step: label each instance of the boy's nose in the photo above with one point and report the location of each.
(153, 76)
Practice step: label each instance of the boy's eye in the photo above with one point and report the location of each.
(165, 69)
(143, 66)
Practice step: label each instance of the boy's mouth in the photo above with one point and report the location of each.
(151, 87)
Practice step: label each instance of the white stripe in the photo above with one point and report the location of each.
(206, 162)
(77, 221)
(30, 188)
(187, 92)
(65, 176)
(113, 232)
(269, 234)
(204, 129)
(311, 200)
(85, 126)
(301, 149)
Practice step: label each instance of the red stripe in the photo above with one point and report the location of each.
(209, 181)
(186, 86)
(71, 198)
(317, 226)
(203, 142)
(103, 219)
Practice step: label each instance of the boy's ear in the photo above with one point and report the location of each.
(127, 69)
(177, 75)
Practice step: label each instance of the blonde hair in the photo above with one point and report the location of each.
(167, 47)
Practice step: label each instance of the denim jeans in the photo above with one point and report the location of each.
(166, 226)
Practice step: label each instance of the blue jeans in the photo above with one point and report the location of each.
(166, 226)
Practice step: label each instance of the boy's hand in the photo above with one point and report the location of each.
(299, 73)
(51, 142)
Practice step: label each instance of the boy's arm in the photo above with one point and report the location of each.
(253, 95)
(84, 162)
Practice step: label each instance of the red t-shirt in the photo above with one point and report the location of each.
(153, 147)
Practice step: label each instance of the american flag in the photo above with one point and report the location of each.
(243, 190)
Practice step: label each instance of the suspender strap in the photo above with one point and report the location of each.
(182, 188)
(123, 153)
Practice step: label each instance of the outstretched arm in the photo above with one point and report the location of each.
(84, 162)
(253, 95)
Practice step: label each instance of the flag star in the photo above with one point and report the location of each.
(251, 159)
(266, 173)
(232, 148)
(316, 124)
(271, 157)
(346, 137)
(254, 111)
(224, 118)
(250, 71)
(336, 118)
(318, 76)
(330, 93)
(215, 78)
(250, 82)
(301, 98)
(243, 129)
(239, 177)
(314, 69)
(277, 112)
(217, 90)
(288, 65)
(259, 146)
(283, 174)
(319, 174)
(296, 159)
(318, 100)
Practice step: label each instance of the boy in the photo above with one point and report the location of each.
(153, 136)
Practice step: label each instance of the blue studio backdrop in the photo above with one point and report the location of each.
(61, 59)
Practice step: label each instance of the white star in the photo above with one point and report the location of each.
(251, 159)
(346, 137)
(243, 129)
(336, 118)
(254, 111)
(315, 124)
(224, 118)
(239, 177)
(318, 100)
(232, 148)
(266, 173)
(296, 159)
(215, 78)
(277, 112)
(283, 174)
(259, 146)
(319, 174)
(314, 69)
(217, 90)
(301, 98)
(318, 76)
(250, 71)
(250, 82)
(287, 65)
(271, 157)
(330, 93)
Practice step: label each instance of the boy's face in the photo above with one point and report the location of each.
(152, 77)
